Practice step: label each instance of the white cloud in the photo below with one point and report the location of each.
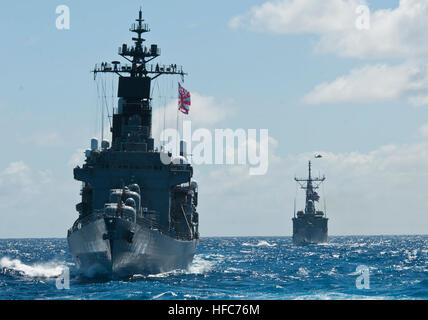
(374, 83)
(18, 181)
(77, 158)
(205, 112)
(34, 203)
(17, 176)
(299, 16)
(399, 32)
(419, 100)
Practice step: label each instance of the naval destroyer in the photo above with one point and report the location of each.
(310, 225)
(137, 213)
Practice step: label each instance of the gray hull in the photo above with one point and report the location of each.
(116, 247)
(310, 230)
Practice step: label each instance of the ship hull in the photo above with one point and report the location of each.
(117, 248)
(310, 230)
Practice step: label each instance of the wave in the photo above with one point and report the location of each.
(44, 270)
(261, 243)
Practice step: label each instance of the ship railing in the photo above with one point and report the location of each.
(127, 51)
(105, 66)
(180, 167)
(136, 27)
(153, 68)
(165, 68)
(150, 68)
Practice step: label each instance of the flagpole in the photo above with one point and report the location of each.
(183, 107)
(178, 143)
(181, 124)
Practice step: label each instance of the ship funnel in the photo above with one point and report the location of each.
(94, 144)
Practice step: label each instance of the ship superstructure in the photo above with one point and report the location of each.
(310, 225)
(138, 211)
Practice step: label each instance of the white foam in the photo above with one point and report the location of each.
(261, 243)
(45, 270)
(200, 265)
(160, 275)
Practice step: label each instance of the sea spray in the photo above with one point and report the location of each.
(44, 270)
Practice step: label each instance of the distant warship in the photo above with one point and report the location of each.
(310, 225)
(138, 211)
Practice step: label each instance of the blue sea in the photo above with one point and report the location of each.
(394, 267)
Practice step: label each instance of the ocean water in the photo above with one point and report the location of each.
(234, 268)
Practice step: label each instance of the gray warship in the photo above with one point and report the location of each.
(310, 225)
(137, 213)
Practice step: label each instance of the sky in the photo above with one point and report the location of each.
(299, 68)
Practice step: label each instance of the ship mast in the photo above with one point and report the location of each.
(139, 56)
(311, 185)
(132, 120)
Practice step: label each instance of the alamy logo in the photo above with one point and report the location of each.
(363, 19)
(363, 280)
(63, 280)
(227, 146)
(62, 22)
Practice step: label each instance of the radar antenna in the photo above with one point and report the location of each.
(139, 57)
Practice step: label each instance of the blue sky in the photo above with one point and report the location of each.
(257, 74)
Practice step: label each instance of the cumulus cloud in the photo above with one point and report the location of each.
(18, 177)
(398, 32)
(33, 202)
(19, 184)
(374, 83)
(393, 33)
(205, 112)
(299, 16)
(77, 158)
